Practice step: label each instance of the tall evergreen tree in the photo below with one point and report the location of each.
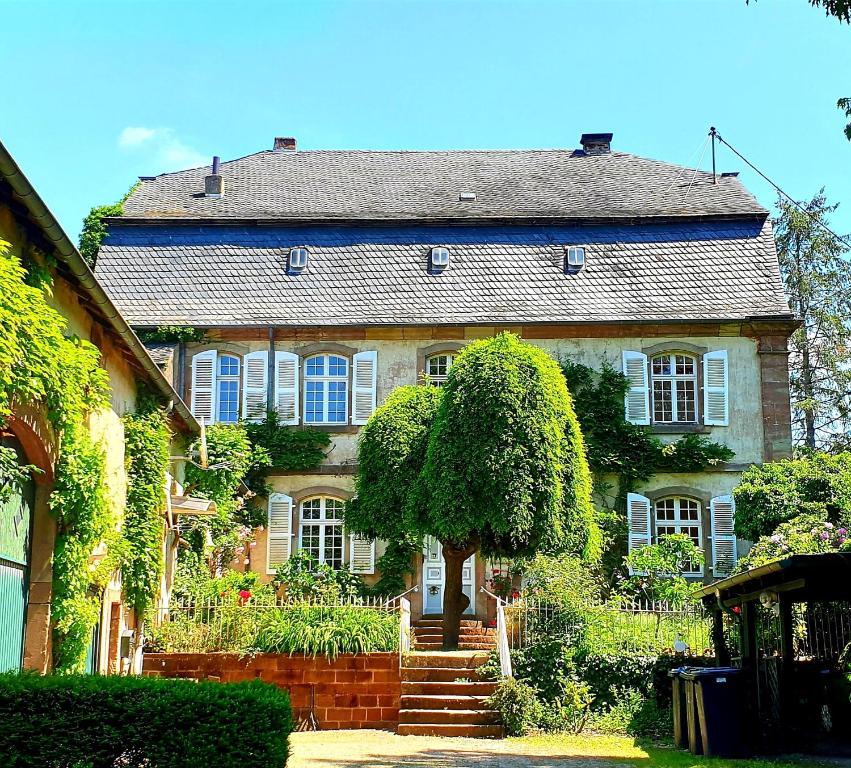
(817, 276)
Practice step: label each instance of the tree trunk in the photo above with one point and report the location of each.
(455, 602)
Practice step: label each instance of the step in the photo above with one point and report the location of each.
(437, 674)
(432, 688)
(451, 716)
(424, 701)
(462, 646)
(445, 659)
(465, 631)
(449, 729)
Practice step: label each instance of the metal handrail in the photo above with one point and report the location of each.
(501, 635)
(415, 588)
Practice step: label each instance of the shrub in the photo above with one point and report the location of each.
(303, 576)
(802, 535)
(517, 705)
(768, 495)
(327, 630)
(101, 722)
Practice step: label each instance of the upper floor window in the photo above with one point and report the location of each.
(668, 389)
(227, 389)
(680, 514)
(326, 389)
(437, 368)
(674, 378)
(323, 388)
(321, 530)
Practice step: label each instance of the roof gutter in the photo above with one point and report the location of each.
(81, 271)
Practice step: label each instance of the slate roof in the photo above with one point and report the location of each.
(372, 275)
(393, 186)
(161, 353)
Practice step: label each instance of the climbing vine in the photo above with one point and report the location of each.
(39, 364)
(146, 456)
(171, 334)
(628, 452)
(94, 228)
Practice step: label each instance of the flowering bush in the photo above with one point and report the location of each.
(501, 583)
(802, 535)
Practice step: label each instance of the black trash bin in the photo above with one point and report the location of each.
(692, 736)
(678, 697)
(720, 699)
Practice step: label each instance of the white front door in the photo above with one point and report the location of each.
(434, 578)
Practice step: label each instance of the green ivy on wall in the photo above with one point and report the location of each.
(146, 457)
(170, 334)
(39, 364)
(94, 227)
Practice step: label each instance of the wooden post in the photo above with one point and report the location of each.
(749, 652)
(722, 652)
(787, 663)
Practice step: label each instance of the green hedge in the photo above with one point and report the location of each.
(75, 721)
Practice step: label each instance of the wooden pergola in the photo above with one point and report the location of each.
(773, 590)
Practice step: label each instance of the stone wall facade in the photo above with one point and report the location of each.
(353, 691)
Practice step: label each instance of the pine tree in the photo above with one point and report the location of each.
(817, 276)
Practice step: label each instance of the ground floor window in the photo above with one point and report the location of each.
(679, 514)
(321, 529)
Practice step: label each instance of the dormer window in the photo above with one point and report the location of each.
(574, 258)
(298, 259)
(438, 258)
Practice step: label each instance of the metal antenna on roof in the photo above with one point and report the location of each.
(713, 133)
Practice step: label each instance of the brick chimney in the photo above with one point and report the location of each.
(596, 143)
(285, 142)
(214, 184)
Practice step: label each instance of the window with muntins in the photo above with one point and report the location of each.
(437, 368)
(679, 514)
(674, 388)
(227, 386)
(326, 389)
(321, 529)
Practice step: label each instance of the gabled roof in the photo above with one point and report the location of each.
(71, 266)
(550, 184)
(378, 275)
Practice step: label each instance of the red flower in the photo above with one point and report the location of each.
(737, 610)
(244, 595)
(515, 594)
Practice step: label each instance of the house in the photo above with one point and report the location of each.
(324, 279)
(27, 527)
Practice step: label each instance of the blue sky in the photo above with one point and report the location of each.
(97, 93)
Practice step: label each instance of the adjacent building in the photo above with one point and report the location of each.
(27, 528)
(324, 279)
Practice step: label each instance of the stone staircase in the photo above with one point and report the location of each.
(475, 636)
(443, 695)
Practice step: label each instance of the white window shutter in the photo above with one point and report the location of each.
(639, 519)
(723, 518)
(716, 397)
(255, 385)
(204, 386)
(364, 377)
(279, 530)
(286, 387)
(637, 400)
(362, 555)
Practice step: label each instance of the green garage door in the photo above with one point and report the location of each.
(15, 515)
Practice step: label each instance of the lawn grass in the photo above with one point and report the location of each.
(625, 749)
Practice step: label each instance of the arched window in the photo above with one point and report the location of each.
(321, 529)
(679, 514)
(326, 389)
(437, 368)
(674, 378)
(227, 388)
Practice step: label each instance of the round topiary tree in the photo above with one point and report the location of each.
(493, 462)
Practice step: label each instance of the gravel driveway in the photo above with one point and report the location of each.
(380, 749)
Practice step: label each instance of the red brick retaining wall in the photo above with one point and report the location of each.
(359, 691)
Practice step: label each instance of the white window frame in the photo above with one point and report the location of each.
(324, 522)
(326, 379)
(678, 524)
(674, 378)
(220, 378)
(440, 379)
